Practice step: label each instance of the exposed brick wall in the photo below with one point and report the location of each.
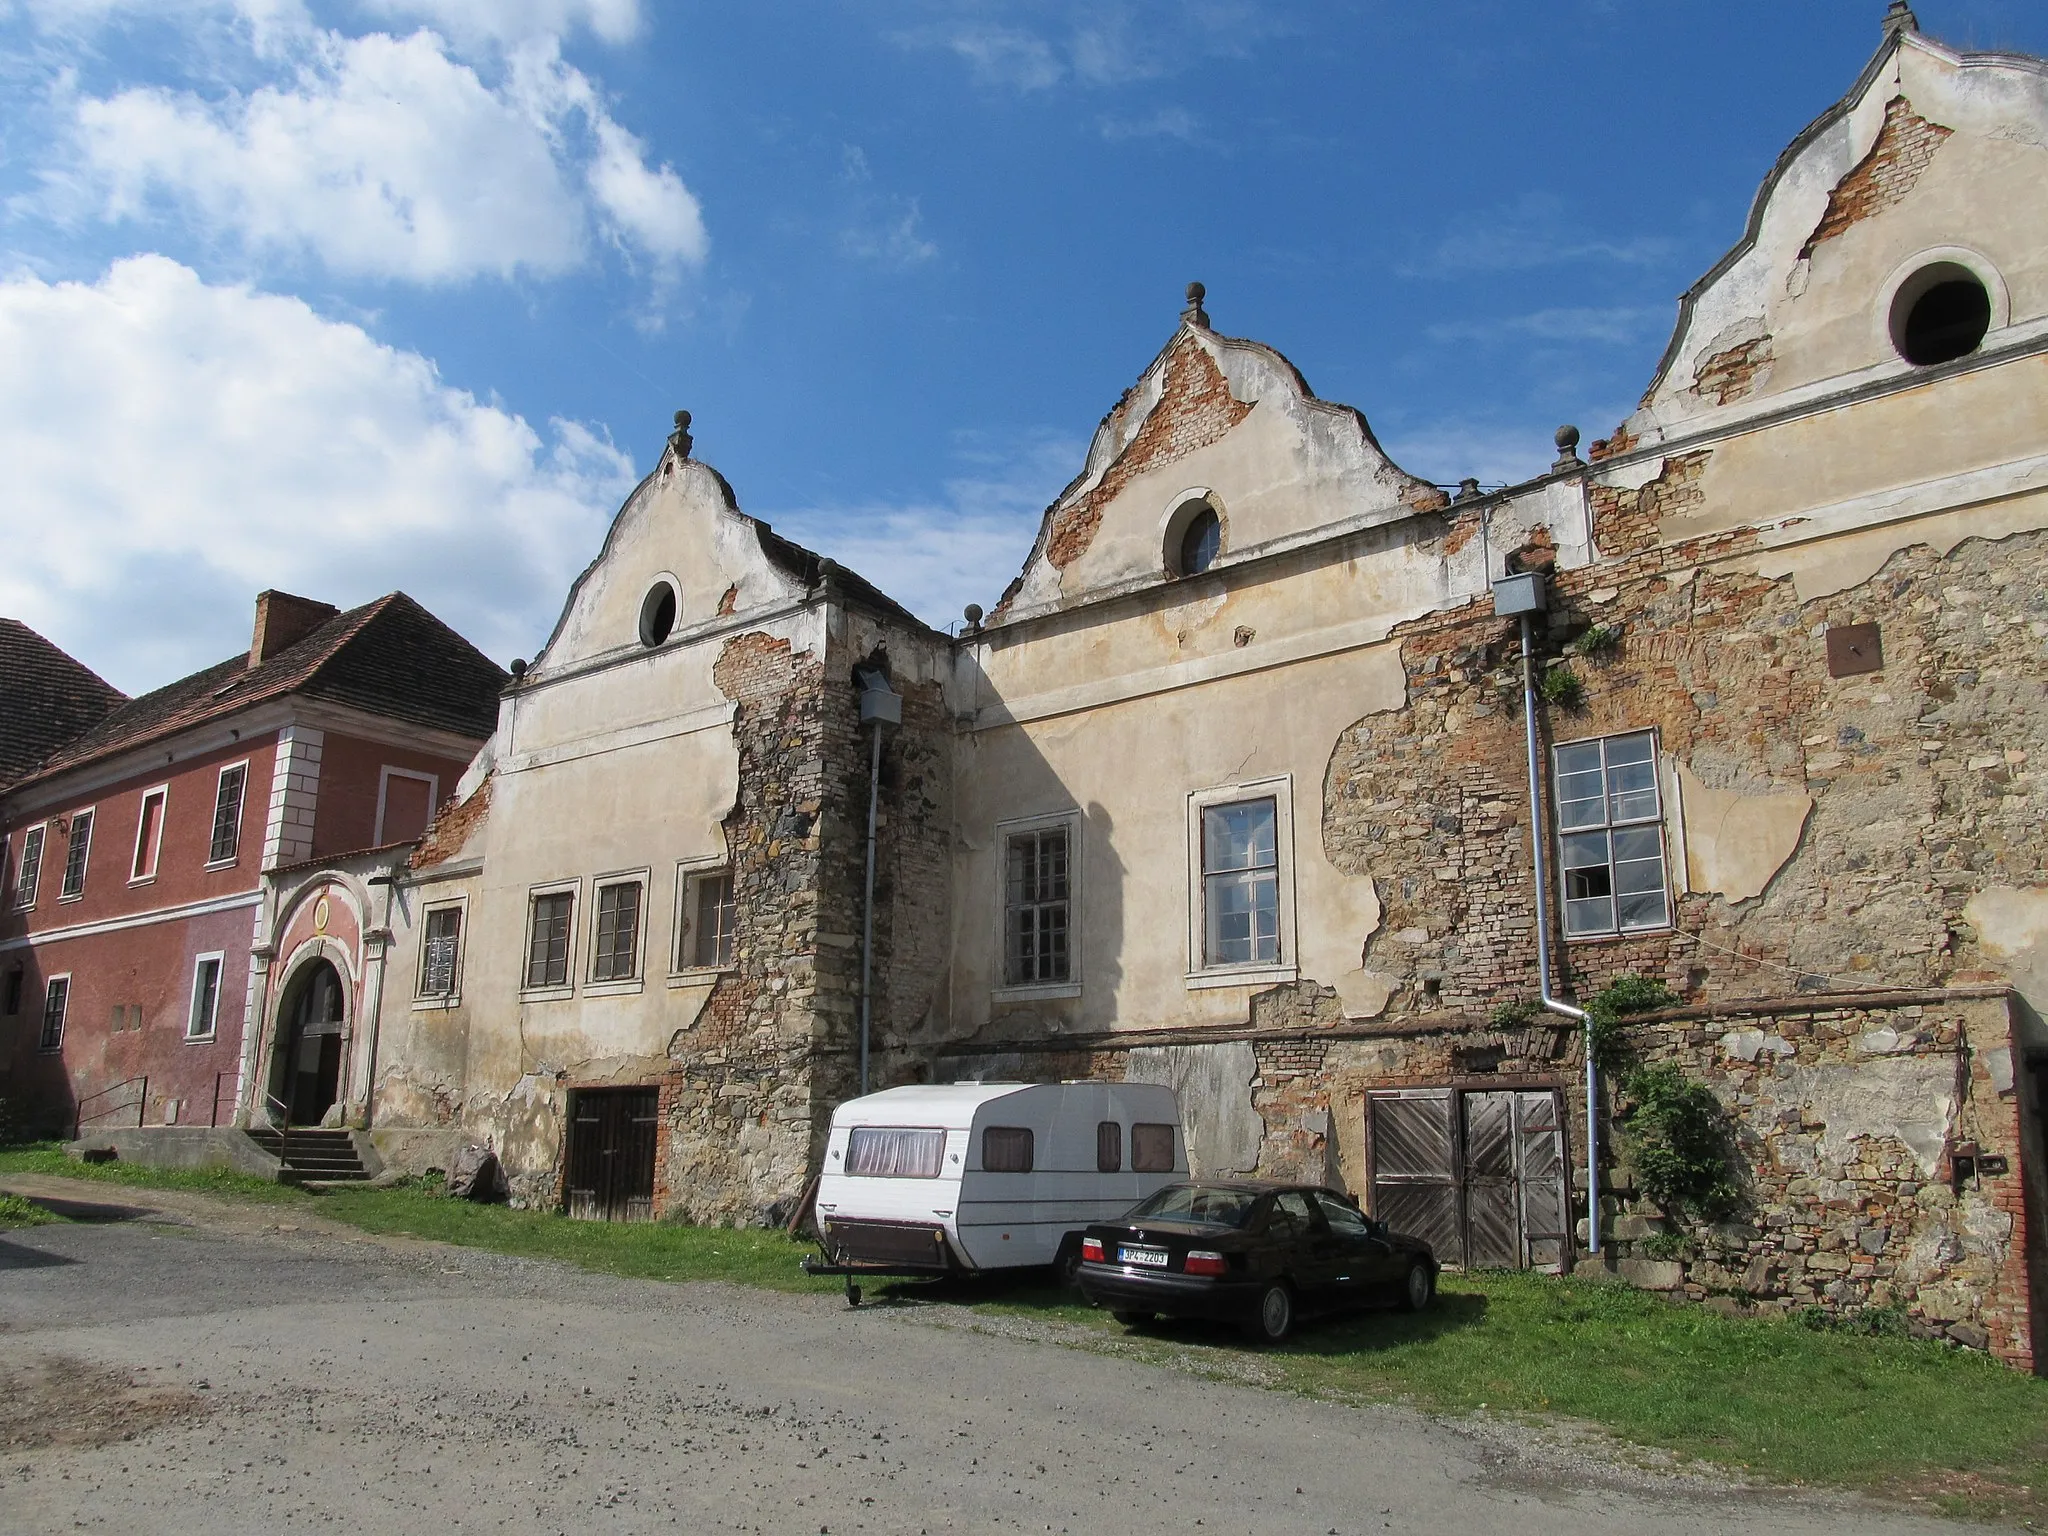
(1195, 409)
(1904, 147)
(1730, 375)
(452, 827)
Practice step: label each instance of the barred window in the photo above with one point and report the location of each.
(30, 873)
(1241, 884)
(547, 945)
(1610, 822)
(1006, 1149)
(55, 999)
(437, 952)
(227, 813)
(618, 932)
(77, 848)
(1037, 909)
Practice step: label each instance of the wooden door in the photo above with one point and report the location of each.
(610, 1156)
(1415, 1167)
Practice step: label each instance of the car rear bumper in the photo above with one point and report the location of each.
(1124, 1288)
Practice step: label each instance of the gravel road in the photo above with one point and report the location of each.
(188, 1365)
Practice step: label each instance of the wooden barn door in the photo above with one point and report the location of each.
(1479, 1174)
(1415, 1167)
(611, 1153)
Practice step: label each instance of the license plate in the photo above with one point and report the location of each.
(1154, 1257)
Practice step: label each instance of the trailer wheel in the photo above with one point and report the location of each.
(852, 1294)
(1066, 1265)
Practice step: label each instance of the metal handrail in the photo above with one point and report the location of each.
(282, 1118)
(140, 1106)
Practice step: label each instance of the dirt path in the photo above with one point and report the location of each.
(199, 1364)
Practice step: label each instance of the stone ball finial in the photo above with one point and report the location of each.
(1567, 440)
(1194, 314)
(973, 615)
(518, 667)
(680, 439)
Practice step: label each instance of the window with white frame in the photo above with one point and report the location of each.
(615, 948)
(227, 814)
(149, 833)
(707, 916)
(440, 952)
(1610, 829)
(1240, 848)
(77, 848)
(205, 1014)
(1040, 869)
(29, 874)
(547, 938)
(56, 998)
(405, 804)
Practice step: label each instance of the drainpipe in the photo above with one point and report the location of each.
(1523, 596)
(880, 706)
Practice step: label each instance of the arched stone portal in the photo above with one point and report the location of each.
(306, 1076)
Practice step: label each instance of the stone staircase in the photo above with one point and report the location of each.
(312, 1157)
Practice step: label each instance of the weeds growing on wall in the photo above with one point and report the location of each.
(1561, 686)
(1614, 1003)
(1516, 1012)
(1600, 640)
(1677, 1143)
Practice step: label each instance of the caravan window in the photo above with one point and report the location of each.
(892, 1152)
(1152, 1148)
(1006, 1149)
(1109, 1147)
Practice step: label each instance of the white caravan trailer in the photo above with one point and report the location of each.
(966, 1177)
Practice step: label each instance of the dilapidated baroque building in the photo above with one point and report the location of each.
(1231, 789)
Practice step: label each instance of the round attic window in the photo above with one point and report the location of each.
(1199, 539)
(657, 614)
(1939, 314)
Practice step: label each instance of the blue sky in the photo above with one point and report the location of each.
(401, 293)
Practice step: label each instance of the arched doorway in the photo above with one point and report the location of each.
(309, 1076)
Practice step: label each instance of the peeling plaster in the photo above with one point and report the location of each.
(1907, 1099)
(1214, 1085)
(1735, 843)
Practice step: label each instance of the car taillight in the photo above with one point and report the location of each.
(1091, 1250)
(1203, 1261)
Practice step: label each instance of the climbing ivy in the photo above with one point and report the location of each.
(1605, 1011)
(1677, 1143)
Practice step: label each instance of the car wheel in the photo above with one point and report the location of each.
(1274, 1319)
(1134, 1319)
(1418, 1290)
(1066, 1267)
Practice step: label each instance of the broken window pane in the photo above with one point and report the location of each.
(1613, 881)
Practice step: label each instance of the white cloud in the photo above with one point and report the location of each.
(963, 546)
(511, 21)
(1036, 45)
(179, 446)
(1536, 231)
(1615, 325)
(389, 158)
(1165, 123)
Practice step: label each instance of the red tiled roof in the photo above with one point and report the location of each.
(390, 657)
(47, 698)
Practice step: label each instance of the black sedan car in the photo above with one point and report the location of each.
(1252, 1253)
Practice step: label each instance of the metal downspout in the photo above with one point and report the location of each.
(867, 914)
(1551, 1003)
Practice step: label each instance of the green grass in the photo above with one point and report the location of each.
(1775, 1399)
(17, 1212)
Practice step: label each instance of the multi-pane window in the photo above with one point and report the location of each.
(30, 874)
(547, 943)
(149, 832)
(205, 998)
(77, 846)
(55, 998)
(438, 950)
(1240, 884)
(709, 917)
(1610, 824)
(618, 932)
(1037, 908)
(227, 813)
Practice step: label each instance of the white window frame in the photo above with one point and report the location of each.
(384, 778)
(92, 821)
(690, 873)
(1200, 974)
(160, 793)
(625, 984)
(241, 806)
(1662, 823)
(452, 998)
(25, 891)
(1070, 821)
(573, 889)
(199, 962)
(45, 1046)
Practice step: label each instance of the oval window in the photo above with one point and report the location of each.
(1940, 314)
(1200, 542)
(657, 614)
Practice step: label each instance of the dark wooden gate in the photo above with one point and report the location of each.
(611, 1153)
(1478, 1173)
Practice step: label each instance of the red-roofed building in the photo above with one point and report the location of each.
(139, 835)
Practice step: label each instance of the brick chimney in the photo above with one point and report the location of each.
(283, 620)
